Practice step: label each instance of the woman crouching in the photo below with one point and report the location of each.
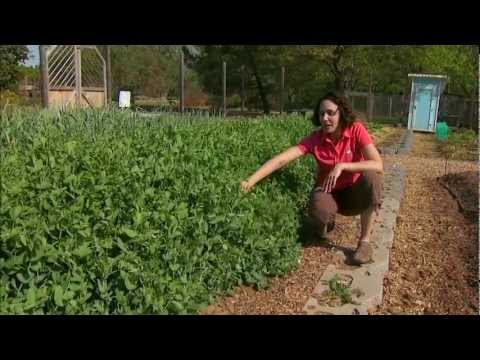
(349, 171)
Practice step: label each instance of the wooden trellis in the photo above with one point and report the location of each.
(73, 76)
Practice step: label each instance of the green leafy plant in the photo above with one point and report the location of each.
(460, 145)
(340, 290)
(111, 213)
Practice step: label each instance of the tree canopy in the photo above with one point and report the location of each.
(10, 58)
(312, 70)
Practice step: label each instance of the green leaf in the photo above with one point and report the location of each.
(182, 210)
(37, 164)
(128, 284)
(31, 296)
(11, 233)
(138, 217)
(15, 212)
(37, 266)
(15, 189)
(177, 307)
(58, 295)
(83, 251)
(68, 295)
(22, 278)
(130, 233)
(122, 245)
(70, 147)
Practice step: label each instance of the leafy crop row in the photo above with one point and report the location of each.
(110, 213)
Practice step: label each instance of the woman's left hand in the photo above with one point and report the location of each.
(331, 180)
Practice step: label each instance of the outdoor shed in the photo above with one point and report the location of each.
(424, 101)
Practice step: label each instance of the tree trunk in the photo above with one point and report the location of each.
(370, 98)
(261, 91)
(338, 73)
(340, 83)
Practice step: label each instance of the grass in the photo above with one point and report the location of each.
(340, 288)
(461, 144)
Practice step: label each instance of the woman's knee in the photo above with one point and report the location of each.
(374, 184)
(372, 178)
(322, 208)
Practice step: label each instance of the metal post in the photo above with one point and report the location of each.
(470, 104)
(445, 105)
(78, 76)
(44, 75)
(104, 73)
(282, 89)
(243, 88)
(109, 77)
(224, 77)
(390, 107)
(182, 83)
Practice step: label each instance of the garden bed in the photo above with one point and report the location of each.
(464, 187)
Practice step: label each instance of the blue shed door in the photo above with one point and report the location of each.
(423, 107)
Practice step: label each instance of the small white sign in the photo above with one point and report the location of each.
(124, 99)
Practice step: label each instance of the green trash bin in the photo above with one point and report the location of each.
(442, 131)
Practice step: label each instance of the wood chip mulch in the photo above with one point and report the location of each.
(434, 259)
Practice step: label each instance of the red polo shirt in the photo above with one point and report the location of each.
(328, 154)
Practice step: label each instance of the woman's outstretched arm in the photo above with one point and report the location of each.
(271, 166)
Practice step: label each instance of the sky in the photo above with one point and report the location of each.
(33, 56)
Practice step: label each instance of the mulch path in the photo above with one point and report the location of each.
(434, 259)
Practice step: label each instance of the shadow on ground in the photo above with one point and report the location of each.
(308, 238)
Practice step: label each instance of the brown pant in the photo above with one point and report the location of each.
(354, 200)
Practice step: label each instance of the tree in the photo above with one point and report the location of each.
(10, 57)
(337, 60)
(262, 68)
(32, 74)
(313, 70)
(386, 68)
(458, 62)
(149, 70)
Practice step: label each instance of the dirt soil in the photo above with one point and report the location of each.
(434, 259)
(464, 187)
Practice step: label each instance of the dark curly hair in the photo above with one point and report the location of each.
(347, 116)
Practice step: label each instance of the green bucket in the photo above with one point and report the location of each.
(442, 131)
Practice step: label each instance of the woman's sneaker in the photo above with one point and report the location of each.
(363, 254)
(330, 226)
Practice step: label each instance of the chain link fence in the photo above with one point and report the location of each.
(456, 111)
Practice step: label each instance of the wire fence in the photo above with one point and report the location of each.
(243, 99)
(456, 111)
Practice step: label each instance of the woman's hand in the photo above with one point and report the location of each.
(246, 186)
(331, 179)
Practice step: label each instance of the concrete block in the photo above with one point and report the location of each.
(384, 236)
(368, 280)
(381, 260)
